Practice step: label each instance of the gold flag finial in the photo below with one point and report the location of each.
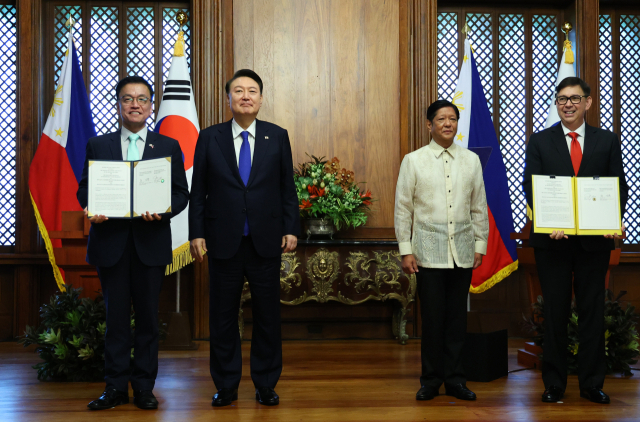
(566, 28)
(178, 48)
(466, 29)
(70, 22)
(182, 18)
(568, 52)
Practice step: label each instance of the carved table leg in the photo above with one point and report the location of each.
(399, 325)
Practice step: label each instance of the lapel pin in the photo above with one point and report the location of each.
(150, 145)
(266, 137)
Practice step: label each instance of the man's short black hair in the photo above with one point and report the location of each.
(437, 105)
(244, 73)
(132, 80)
(573, 81)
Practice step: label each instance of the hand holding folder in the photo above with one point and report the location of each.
(576, 206)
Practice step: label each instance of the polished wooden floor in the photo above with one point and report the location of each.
(349, 380)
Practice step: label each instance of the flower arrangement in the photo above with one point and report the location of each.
(621, 337)
(325, 190)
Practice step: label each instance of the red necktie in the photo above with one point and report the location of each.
(576, 152)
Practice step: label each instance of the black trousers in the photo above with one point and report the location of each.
(127, 282)
(443, 306)
(588, 270)
(225, 287)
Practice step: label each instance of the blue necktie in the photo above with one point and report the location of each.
(244, 167)
(132, 151)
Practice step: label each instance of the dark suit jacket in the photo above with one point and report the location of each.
(548, 154)
(152, 238)
(220, 202)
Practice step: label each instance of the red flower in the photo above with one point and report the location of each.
(366, 197)
(315, 192)
(305, 204)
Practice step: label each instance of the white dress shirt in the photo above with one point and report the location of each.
(579, 131)
(237, 130)
(441, 207)
(124, 141)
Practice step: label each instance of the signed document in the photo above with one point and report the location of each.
(128, 189)
(576, 205)
(598, 205)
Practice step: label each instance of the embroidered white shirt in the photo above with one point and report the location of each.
(441, 207)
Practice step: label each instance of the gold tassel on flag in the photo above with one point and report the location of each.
(178, 48)
(568, 52)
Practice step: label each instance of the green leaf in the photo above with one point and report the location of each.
(85, 353)
(61, 351)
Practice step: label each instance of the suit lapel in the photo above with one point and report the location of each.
(560, 141)
(116, 146)
(149, 146)
(225, 143)
(590, 141)
(261, 146)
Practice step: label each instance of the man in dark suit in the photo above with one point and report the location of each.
(244, 212)
(573, 148)
(131, 254)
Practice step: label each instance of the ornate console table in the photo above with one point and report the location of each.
(346, 271)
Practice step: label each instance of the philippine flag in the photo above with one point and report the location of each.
(57, 165)
(177, 118)
(476, 132)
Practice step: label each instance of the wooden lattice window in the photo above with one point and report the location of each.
(121, 39)
(8, 135)
(517, 55)
(620, 103)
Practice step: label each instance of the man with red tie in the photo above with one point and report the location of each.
(573, 148)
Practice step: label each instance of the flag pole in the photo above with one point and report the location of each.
(465, 32)
(182, 19)
(178, 329)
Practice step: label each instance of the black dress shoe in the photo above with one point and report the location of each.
(425, 393)
(459, 391)
(224, 397)
(552, 394)
(109, 399)
(267, 396)
(145, 399)
(596, 395)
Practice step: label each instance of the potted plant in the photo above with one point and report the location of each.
(621, 336)
(70, 337)
(328, 197)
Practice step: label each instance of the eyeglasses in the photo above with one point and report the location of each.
(575, 99)
(127, 100)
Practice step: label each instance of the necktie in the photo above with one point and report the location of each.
(576, 152)
(132, 151)
(244, 167)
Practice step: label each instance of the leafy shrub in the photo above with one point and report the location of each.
(621, 337)
(70, 338)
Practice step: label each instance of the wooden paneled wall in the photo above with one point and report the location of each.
(331, 74)
(347, 78)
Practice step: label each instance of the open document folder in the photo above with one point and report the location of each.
(576, 205)
(128, 189)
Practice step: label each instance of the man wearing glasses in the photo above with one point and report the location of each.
(578, 263)
(131, 254)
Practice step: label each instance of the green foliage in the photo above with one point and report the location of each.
(327, 191)
(621, 336)
(70, 338)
